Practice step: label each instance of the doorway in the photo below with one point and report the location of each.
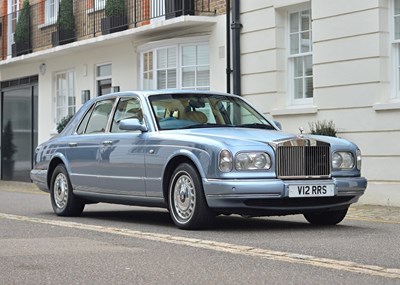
(19, 125)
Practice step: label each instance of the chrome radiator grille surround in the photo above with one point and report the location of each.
(303, 159)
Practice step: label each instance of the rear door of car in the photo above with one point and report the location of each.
(84, 148)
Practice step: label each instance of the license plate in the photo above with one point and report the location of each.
(310, 190)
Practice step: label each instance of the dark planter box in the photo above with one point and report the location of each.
(20, 48)
(176, 8)
(8, 170)
(113, 24)
(62, 37)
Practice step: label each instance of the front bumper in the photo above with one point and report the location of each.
(271, 196)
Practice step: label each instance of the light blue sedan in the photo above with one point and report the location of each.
(198, 154)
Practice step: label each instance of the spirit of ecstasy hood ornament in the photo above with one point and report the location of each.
(301, 129)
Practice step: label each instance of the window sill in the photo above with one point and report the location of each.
(92, 10)
(45, 25)
(390, 106)
(295, 110)
(53, 133)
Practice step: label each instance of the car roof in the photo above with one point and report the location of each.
(148, 93)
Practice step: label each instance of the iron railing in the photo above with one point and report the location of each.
(48, 27)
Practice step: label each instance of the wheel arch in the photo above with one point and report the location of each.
(170, 167)
(55, 161)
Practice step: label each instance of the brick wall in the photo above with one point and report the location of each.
(3, 37)
(88, 21)
(219, 6)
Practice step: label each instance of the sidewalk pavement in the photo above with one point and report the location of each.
(357, 211)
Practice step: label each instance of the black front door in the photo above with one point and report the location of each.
(18, 131)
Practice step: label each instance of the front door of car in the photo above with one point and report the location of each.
(121, 165)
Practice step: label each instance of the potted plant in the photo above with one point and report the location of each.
(65, 24)
(22, 32)
(8, 151)
(63, 123)
(115, 17)
(323, 128)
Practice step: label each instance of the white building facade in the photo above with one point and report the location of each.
(301, 62)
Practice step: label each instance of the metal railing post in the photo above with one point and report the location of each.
(135, 13)
(94, 18)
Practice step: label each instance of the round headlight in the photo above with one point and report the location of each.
(260, 161)
(337, 160)
(348, 160)
(243, 161)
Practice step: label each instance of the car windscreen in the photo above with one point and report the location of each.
(183, 111)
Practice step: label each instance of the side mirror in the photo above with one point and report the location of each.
(132, 125)
(278, 125)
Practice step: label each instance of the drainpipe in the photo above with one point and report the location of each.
(228, 46)
(236, 26)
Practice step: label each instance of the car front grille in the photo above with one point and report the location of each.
(303, 161)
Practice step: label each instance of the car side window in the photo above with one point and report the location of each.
(99, 117)
(127, 108)
(82, 125)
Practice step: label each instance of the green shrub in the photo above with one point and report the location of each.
(323, 128)
(63, 123)
(66, 19)
(114, 8)
(23, 24)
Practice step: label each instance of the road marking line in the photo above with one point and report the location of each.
(393, 273)
(29, 191)
(371, 220)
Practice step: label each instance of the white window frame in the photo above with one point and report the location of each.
(99, 5)
(70, 89)
(395, 54)
(13, 10)
(51, 6)
(175, 43)
(292, 57)
(149, 71)
(99, 78)
(196, 66)
(156, 68)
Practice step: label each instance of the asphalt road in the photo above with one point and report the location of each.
(111, 244)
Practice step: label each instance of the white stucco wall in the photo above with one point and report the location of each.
(352, 81)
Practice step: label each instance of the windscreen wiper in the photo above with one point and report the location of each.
(256, 126)
(207, 125)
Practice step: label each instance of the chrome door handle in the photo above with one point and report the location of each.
(106, 143)
(72, 144)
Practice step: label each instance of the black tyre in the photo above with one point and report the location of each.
(187, 204)
(63, 200)
(326, 218)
